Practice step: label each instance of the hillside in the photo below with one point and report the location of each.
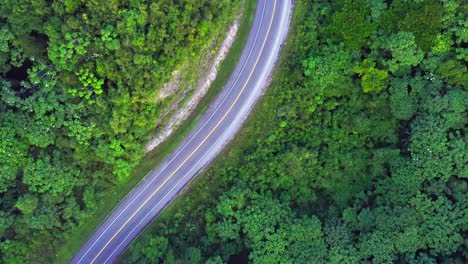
(79, 100)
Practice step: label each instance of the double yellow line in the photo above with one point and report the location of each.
(203, 141)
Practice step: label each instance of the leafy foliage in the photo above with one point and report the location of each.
(352, 24)
(372, 79)
(423, 18)
(404, 51)
(78, 82)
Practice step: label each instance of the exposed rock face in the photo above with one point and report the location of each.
(171, 87)
(180, 113)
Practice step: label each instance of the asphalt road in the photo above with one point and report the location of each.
(218, 125)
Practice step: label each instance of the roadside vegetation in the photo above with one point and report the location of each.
(356, 154)
(108, 200)
(78, 88)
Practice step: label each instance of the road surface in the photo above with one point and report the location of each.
(218, 125)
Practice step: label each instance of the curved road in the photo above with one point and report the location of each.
(219, 124)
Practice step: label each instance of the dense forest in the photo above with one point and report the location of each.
(357, 153)
(78, 87)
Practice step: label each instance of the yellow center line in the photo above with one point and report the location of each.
(195, 150)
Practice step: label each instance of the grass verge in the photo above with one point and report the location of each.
(108, 201)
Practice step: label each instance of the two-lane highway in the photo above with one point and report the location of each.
(219, 124)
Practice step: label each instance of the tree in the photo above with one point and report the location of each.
(454, 72)
(66, 53)
(422, 18)
(378, 246)
(13, 152)
(328, 70)
(351, 23)
(404, 51)
(6, 220)
(306, 241)
(50, 174)
(156, 249)
(27, 204)
(373, 80)
(5, 42)
(378, 8)
(403, 101)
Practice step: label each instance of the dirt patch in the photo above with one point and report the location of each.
(181, 110)
(171, 87)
